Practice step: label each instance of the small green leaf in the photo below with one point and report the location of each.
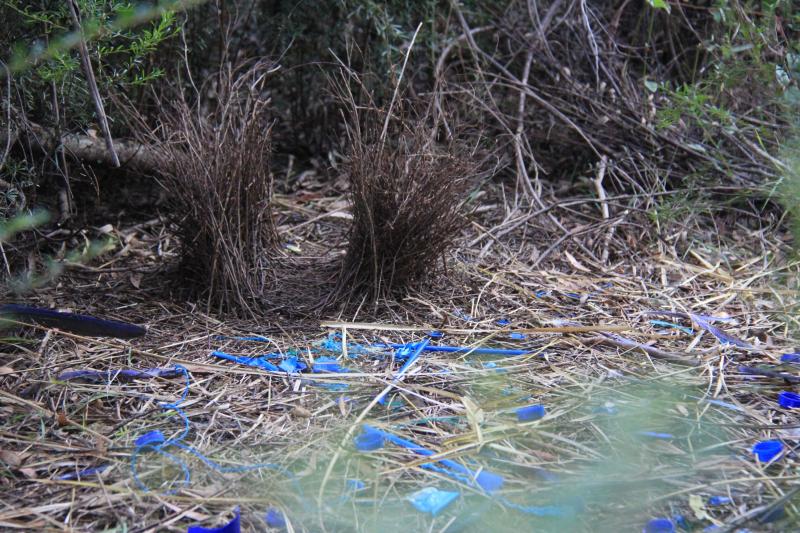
(651, 86)
(660, 4)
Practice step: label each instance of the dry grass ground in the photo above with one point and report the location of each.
(631, 433)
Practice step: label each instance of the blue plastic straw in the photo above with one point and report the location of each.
(461, 349)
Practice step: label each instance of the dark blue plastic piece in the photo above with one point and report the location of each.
(369, 441)
(531, 412)
(719, 500)
(789, 400)
(767, 450)
(88, 326)
(659, 525)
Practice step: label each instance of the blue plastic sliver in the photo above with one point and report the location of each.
(234, 526)
(275, 518)
(767, 450)
(291, 365)
(656, 435)
(503, 322)
(531, 412)
(369, 441)
(435, 334)
(514, 336)
(659, 525)
(489, 481)
(719, 500)
(432, 500)
(789, 400)
(791, 357)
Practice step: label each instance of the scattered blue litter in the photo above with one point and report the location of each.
(727, 405)
(87, 472)
(767, 450)
(517, 336)
(259, 362)
(789, 400)
(503, 322)
(435, 334)
(369, 441)
(432, 500)
(120, 375)
(531, 412)
(234, 526)
(719, 500)
(333, 343)
(292, 365)
(155, 442)
(275, 518)
(456, 349)
(373, 438)
(659, 525)
(790, 358)
(656, 435)
(665, 324)
(541, 293)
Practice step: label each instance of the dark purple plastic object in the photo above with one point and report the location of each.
(789, 400)
(767, 450)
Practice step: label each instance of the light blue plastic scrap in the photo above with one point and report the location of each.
(432, 500)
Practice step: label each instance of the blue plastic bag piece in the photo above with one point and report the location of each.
(530, 412)
(541, 293)
(328, 364)
(291, 365)
(490, 364)
(435, 334)
(503, 322)
(150, 438)
(489, 481)
(719, 500)
(369, 441)
(432, 500)
(404, 352)
(275, 518)
(514, 336)
(84, 473)
(259, 362)
(789, 400)
(234, 526)
(767, 450)
(656, 435)
(790, 358)
(659, 525)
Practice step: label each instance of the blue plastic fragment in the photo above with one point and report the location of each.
(659, 525)
(369, 441)
(84, 473)
(489, 481)
(665, 324)
(275, 518)
(503, 322)
(719, 500)
(432, 500)
(541, 293)
(531, 412)
(517, 336)
(355, 485)
(291, 365)
(435, 334)
(328, 364)
(791, 357)
(259, 362)
(789, 400)
(681, 522)
(247, 338)
(767, 450)
(234, 526)
(656, 435)
(150, 438)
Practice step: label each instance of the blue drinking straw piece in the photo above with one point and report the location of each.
(460, 349)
